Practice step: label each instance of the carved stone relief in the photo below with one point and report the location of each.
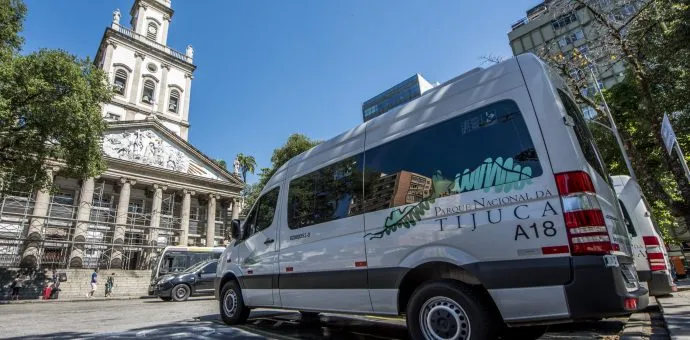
(146, 147)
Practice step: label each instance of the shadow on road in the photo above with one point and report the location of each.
(157, 300)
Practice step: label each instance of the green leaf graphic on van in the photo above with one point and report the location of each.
(503, 175)
(403, 217)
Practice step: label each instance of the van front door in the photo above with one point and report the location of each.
(259, 256)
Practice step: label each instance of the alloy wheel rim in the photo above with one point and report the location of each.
(441, 318)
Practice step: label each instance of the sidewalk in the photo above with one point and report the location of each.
(81, 299)
(676, 310)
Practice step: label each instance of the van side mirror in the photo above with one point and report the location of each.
(235, 229)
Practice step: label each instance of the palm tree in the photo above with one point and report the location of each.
(247, 164)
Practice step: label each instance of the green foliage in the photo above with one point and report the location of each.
(296, 144)
(12, 14)
(247, 164)
(221, 163)
(654, 47)
(50, 108)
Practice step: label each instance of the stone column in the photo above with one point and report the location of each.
(108, 59)
(36, 232)
(184, 223)
(211, 220)
(166, 24)
(121, 221)
(162, 91)
(187, 92)
(81, 228)
(155, 221)
(235, 208)
(136, 78)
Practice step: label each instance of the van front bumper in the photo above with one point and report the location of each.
(597, 291)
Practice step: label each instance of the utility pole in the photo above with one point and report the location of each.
(613, 129)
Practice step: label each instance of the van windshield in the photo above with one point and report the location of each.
(584, 136)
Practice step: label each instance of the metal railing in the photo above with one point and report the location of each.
(136, 36)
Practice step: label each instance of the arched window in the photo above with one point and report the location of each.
(120, 82)
(149, 89)
(174, 101)
(152, 31)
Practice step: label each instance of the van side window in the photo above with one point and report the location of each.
(327, 194)
(584, 136)
(628, 221)
(267, 209)
(489, 148)
(261, 216)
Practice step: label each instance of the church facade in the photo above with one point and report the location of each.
(158, 190)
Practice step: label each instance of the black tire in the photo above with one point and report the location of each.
(526, 333)
(232, 308)
(180, 292)
(309, 317)
(455, 309)
(165, 298)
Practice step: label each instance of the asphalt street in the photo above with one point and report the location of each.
(198, 319)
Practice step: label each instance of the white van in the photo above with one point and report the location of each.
(655, 262)
(481, 204)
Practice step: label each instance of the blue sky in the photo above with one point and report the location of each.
(266, 69)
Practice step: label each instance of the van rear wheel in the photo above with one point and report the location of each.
(449, 310)
(232, 308)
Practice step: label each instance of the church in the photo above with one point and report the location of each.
(159, 190)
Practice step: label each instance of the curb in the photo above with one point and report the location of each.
(84, 299)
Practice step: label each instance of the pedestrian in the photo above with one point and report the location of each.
(109, 285)
(17, 286)
(94, 283)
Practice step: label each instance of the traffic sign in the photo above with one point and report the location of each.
(667, 134)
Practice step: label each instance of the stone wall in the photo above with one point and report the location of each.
(128, 283)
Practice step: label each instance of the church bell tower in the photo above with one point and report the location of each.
(151, 79)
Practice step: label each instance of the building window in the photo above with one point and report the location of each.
(152, 31)
(147, 94)
(174, 101)
(120, 82)
(112, 117)
(564, 21)
(151, 67)
(571, 38)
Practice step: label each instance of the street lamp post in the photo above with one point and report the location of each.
(613, 128)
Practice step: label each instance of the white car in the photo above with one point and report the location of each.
(655, 261)
(479, 209)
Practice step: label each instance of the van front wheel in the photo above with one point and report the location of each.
(448, 310)
(232, 308)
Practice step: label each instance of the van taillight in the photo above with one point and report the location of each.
(584, 219)
(655, 256)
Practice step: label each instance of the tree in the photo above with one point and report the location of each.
(247, 164)
(221, 163)
(296, 144)
(643, 41)
(50, 109)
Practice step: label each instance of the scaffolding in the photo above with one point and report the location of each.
(141, 242)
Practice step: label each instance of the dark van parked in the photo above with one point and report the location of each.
(195, 280)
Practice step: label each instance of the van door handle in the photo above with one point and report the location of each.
(269, 241)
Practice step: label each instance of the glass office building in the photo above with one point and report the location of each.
(406, 91)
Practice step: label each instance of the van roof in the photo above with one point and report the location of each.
(467, 79)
